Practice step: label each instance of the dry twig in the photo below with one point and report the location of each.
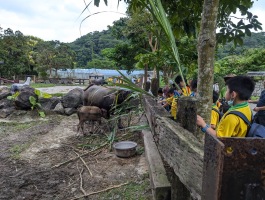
(81, 181)
(84, 163)
(104, 190)
(73, 159)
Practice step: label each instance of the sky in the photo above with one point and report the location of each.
(60, 19)
(57, 19)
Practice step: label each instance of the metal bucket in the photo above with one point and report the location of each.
(125, 149)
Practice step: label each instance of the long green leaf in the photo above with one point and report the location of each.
(159, 14)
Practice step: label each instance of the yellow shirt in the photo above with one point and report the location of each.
(173, 110)
(186, 92)
(232, 125)
(214, 116)
(169, 100)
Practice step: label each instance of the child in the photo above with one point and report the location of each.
(183, 91)
(239, 90)
(168, 101)
(214, 114)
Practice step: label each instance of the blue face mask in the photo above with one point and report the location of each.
(230, 102)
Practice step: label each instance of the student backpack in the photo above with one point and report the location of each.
(219, 113)
(255, 130)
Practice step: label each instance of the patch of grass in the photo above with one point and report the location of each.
(135, 190)
(9, 127)
(17, 149)
(40, 85)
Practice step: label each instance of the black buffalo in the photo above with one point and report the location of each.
(104, 97)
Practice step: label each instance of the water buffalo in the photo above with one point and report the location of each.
(104, 97)
(90, 113)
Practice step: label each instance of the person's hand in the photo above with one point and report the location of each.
(256, 109)
(200, 122)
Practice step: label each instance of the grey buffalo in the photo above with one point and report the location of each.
(104, 97)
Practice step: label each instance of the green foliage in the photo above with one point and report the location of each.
(42, 94)
(13, 97)
(36, 105)
(255, 41)
(13, 51)
(101, 64)
(90, 46)
(250, 60)
(53, 55)
(123, 56)
(131, 191)
(26, 54)
(17, 149)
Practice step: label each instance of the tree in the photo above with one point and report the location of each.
(53, 55)
(90, 46)
(206, 54)
(14, 51)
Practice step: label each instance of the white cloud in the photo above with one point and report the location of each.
(56, 20)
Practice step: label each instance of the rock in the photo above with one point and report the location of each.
(70, 111)
(22, 100)
(3, 95)
(59, 109)
(6, 111)
(73, 98)
(4, 89)
(5, 103)
(49, 103)
(27, 88)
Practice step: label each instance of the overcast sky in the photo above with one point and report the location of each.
(58, 19)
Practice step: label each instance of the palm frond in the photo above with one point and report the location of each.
(159, 14)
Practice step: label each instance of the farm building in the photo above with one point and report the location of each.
(97, 73)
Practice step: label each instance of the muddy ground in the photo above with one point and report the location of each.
(35, 161)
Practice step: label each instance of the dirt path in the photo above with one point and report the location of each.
(31, 147)
(59, 89)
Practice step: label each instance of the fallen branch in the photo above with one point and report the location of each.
(73, 159)
(84, 163)
(81, 182)
(104, 190)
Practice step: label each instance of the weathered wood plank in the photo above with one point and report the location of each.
(183, 152)
(153, 111)
(159, 181)
(212, 168)
(178, 147)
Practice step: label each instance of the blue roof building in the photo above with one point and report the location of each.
(86, 73)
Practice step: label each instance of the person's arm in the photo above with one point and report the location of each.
(205, 127)
(253, 101)
(259, 108)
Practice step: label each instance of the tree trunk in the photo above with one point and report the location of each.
(206, 52)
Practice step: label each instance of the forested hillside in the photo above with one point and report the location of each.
(128, 44)
(88, 48)
(256, 40)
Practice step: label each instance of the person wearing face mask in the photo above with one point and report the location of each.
(239, 90)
